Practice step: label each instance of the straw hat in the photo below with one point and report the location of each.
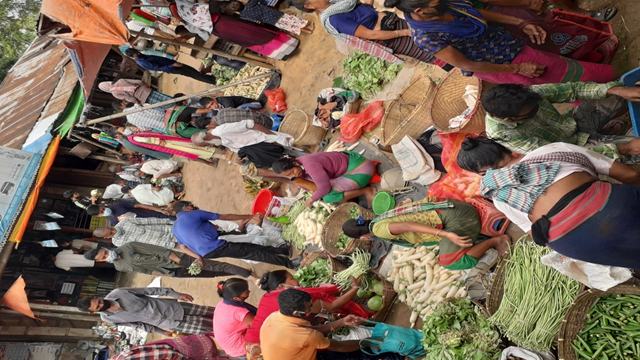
(448, 103)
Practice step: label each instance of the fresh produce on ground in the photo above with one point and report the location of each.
(252, 187)
(366, 74)
(341, 146)
(223, 74)
(360, 266)
(457, 330)
(194, 269)
(307, 225)
(344, 240)
(290, 231)
(421, 282)
(613, 329)
(536, 298)
(317, 273)
(252, 90)
(343, 330)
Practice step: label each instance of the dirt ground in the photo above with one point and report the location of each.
(303, 76)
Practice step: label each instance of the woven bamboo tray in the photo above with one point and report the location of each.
(297, 124)
(333, 227)
(407, 114)
(573, 322)
(336, 265)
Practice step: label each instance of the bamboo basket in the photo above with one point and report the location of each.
(333, 227)
(573, 322)
(408, 113)
(297, 124)
(336, 265)
(388, 297)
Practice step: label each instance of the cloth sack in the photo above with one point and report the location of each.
(393, 339)
(601, 277)
(518, 352)
(417, 165)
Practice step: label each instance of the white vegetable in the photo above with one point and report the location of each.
(353, 146)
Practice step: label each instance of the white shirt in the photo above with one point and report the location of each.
(113, 192)
(158, 167)
(79, 243)
(601, 163)
(240, 134)
(144, 194)
(66, 260)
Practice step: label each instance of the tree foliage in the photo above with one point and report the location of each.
(18, 19)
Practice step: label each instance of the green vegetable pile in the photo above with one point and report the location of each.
(223, 74)
(194, 269)
(343, 330)
(613, 329)
(536, 298)
(456, 330)
(360, 266)
(319, 272)
(366, 74)
(290, 231)
(344, 240)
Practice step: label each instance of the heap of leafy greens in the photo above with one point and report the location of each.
(456, 330)
(223, 74)
(319, 272)
(366, 74)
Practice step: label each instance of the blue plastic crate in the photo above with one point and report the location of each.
(630, 79)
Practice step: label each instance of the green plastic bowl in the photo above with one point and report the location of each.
(383, 202)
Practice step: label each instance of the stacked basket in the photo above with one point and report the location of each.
(297, 124)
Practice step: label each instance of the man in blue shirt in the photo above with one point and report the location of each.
(157, 63)
(198, 238)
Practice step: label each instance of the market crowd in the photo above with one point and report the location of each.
(542, 169)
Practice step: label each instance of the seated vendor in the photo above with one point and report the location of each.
(347, 19)
(452, 224)
(338, 176)
(180, 121)
(323, 301)
(332, 104)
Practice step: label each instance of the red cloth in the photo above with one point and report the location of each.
(269, 304)
(352, 125)
(458, 183)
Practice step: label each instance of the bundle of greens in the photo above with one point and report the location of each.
(343, 241)
(360, 266)
(612, 329)
(366, 74)
(319, 272)
(343, 330)
(536, 298)
(223, 74)
(456, 330)
(354, 212)
(290, 231)
(194, 269)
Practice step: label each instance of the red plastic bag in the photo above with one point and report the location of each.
(276, 100)
(352, 125)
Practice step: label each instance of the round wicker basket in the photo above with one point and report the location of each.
(388, 297)
(574, 320)
(297, 124)
(336, 265)
(407, 114)
(447, 103)
(333, 228)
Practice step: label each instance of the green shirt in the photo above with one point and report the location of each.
(188, 131)
(144, 258)
(549, 125)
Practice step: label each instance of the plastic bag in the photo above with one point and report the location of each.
(354, 334)
(276, 100)
(525, 354)
(601, 277)
(417, 165)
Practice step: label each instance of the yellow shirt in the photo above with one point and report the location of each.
(429, 218)
(289, 338)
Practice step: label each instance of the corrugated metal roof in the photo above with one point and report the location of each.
(38, 85)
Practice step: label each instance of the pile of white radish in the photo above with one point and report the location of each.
(252, 90)
(421, 282)
(340, 146)
(310, 223)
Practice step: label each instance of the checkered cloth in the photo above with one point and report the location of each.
(156, 97)
(197, 319)
(229, 115)
(520, 185)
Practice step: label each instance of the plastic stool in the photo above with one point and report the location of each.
(375, 179)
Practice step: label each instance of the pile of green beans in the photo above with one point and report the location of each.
(536, 298)
(613, 329)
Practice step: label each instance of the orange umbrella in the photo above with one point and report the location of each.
(95, 21)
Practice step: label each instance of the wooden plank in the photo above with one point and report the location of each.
(13, 330)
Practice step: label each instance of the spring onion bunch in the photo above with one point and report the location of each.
(360, 266)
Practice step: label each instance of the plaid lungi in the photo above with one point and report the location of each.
(156, 97)
(197, 319)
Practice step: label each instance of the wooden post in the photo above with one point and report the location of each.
(196, 47)
(175, 100)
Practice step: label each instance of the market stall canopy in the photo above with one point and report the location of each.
(87, 58)
(96, 21)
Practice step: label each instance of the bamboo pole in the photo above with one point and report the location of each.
(200, 48)
(173, 101)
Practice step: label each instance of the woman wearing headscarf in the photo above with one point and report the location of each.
(133, 91)
(455, 32)
(212, 18)
(380, 34)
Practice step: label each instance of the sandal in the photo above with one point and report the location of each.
(605, 14)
